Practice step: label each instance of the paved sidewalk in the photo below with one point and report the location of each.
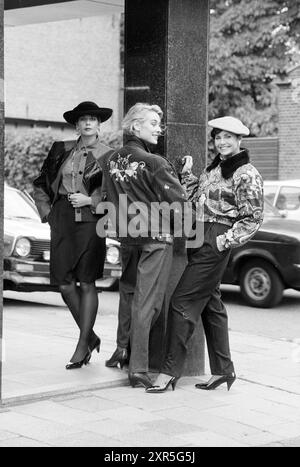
(40, 338)
(261, 409)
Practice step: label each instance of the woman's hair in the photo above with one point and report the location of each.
(137, 114)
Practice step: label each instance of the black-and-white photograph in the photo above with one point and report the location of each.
(150, 223)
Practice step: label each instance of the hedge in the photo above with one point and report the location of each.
(25, 153)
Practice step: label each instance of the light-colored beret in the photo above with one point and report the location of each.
(231, 124)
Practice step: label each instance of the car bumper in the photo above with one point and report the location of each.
(26, 276)
(292, 277)
(34, 275)
(111, 275)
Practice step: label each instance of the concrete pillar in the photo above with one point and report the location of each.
(166, 63)
(1, 181)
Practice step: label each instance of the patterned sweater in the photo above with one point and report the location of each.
(228, 192)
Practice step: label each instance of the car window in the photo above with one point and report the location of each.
(17, 205)
(288, 198)
(269, 210)
(270, 192)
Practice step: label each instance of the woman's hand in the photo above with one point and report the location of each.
(78, 200)
(188, 164)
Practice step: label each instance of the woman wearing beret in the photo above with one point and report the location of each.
(66, 193)
(229, 200)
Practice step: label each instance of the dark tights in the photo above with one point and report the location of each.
(82, 301)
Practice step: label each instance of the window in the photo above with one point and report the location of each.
(270, 193)
(288, 198)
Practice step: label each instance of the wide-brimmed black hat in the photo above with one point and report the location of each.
(87, 108)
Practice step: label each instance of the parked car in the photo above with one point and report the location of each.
(263, 268)
(285, 196)
(269, 262)
(27, 247)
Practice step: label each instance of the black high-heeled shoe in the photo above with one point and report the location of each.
(119, 357)
(138, 379)
(76, 365)
(229, 379)
(95, 346)
(158, 389)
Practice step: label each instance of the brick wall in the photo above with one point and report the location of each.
(289, 125)
(264, 155)
(51, 67)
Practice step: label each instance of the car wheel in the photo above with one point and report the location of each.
(261, 284)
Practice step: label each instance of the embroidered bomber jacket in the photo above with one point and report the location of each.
(229, 192)
(141, 177)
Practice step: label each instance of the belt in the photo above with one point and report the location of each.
(164, 238)
(167, 238)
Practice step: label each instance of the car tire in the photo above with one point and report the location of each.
(260, 283)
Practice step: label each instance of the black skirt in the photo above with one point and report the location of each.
(76, 251)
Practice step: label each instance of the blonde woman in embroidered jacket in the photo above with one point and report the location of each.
(144, 179)
(229, 199)
(66, 193)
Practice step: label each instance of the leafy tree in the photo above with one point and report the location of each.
(251, 43)
(24, 154)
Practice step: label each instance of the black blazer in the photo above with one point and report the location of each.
(46, 185)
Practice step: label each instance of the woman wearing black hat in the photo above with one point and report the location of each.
(66, 193)
(229, 203)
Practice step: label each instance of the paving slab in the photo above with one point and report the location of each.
(92, 404)
(210, 439)
(85, 439)
(151, 438)
(23, 442)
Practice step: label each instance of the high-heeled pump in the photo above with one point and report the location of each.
(139, 379)
(95, 346)
(228, 379)
(119, 357)
(158, 389)
(76, 365)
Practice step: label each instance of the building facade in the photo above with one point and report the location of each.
(289, 125)
(51, 67)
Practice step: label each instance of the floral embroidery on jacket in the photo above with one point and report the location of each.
(236, 202)
(123, 170)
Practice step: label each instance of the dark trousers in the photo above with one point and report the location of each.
(129, 260)
(198, 295)
(144, 280)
